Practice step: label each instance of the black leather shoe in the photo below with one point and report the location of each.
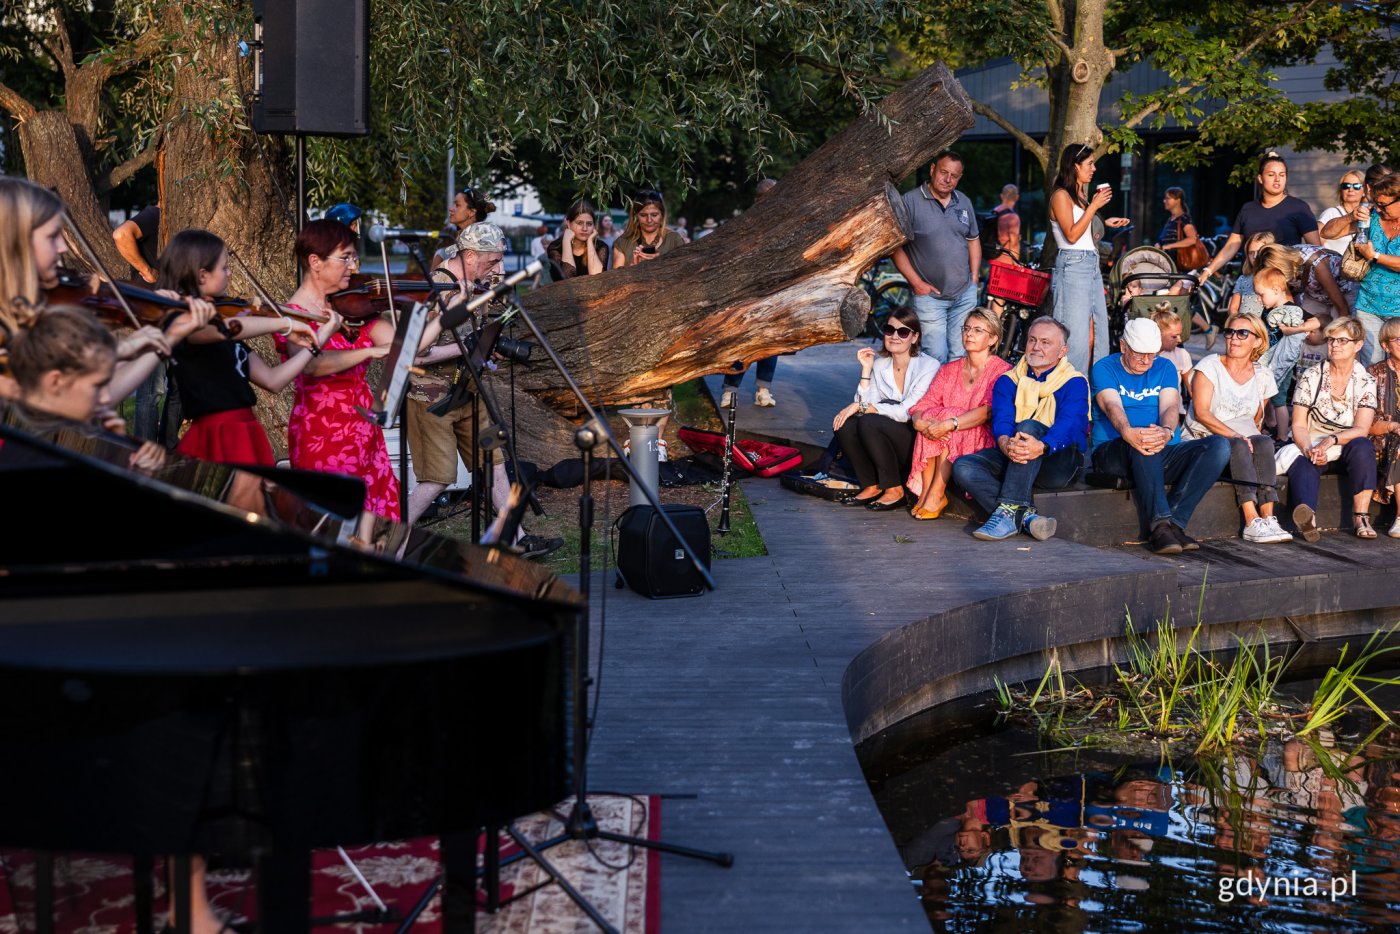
(1163, 540)
(1187, 542)
(854, 500)
(876, 506)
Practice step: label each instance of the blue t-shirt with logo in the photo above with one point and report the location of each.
(1139, 394)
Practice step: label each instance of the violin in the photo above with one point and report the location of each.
(229, 307)
(367, 296)
(145, 306)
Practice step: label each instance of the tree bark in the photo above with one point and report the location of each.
(778, 278)
(53, 157)
(248, 207)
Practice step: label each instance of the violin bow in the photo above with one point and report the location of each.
(91, 255)
(264, 296)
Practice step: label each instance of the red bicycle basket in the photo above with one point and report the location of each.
(1018, 284)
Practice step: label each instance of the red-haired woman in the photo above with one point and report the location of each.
(325, 431)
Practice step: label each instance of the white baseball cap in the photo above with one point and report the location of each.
(1143, 335)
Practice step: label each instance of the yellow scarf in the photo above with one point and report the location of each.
(1036, 399)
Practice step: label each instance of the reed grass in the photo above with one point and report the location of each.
(1169, 689)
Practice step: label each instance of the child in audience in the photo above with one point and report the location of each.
(1243, 300)
(1169, 323)
(1287, 327)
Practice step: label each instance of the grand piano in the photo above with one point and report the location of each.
(203, 659)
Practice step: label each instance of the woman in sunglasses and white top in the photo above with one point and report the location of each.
(1348, 200)
(875, 431)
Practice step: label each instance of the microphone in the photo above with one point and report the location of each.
(379, 233)
(458, 314)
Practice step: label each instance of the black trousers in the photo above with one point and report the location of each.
(880, 449)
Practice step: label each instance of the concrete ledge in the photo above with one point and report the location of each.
(1095, 516)
(963, 651)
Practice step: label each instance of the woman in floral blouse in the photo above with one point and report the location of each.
(1334, 405)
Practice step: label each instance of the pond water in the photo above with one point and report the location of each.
(999, 835)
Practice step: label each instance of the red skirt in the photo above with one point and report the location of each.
(233, 437)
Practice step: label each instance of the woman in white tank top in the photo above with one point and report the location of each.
(1077, 285)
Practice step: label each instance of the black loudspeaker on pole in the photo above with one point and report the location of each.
(311, 67)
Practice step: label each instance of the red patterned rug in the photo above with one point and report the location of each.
(93, 894)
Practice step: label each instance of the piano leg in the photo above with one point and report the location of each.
(459, 883)
(43, 892)
(180, 868)
(284, 893)
(143, 893)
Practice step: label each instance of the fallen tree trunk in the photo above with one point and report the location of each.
(780, 277)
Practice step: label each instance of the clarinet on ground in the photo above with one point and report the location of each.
(727, 482)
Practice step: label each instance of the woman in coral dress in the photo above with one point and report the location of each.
(325, 431)
(951, 419)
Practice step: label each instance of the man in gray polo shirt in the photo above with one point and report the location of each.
(941, 261)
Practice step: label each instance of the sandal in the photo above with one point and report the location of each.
(922, 513)
(1361, 522)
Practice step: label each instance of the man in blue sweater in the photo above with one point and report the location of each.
(1040, 419)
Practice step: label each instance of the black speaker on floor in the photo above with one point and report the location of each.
(649, 558)
(312, 67)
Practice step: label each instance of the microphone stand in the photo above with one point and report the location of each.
(581, 823)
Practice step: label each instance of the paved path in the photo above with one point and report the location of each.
(730, 702)
(734, 698)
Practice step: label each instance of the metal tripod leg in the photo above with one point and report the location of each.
(558, 877)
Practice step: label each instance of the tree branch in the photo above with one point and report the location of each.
(18, 107)
(1025, 139)
(1182, 90)
(62, 46)
(829, 68)
(117, 175)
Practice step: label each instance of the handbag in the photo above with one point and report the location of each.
(1189, 257)
(1354, 266)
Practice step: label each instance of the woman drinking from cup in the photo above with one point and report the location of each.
(1077, 286)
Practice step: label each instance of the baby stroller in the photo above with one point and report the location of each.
(1137, 283)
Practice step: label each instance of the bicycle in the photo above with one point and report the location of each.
(1019, 289)
(888, 290)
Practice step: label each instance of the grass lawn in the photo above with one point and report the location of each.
(694, 409)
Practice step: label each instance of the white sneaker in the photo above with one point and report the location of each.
(1258, 531)
(1395, 528)
(726, 399)
(1276, 531)
(763, 398)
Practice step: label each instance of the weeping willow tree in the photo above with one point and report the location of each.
(613, 93)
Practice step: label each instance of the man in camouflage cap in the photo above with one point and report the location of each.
(473, 261)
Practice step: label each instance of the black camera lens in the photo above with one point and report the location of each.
(514, 350)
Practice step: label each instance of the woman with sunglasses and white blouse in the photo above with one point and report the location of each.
(875, 431)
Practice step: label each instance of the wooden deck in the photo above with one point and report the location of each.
(729, 704)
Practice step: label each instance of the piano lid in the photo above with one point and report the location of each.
(92, 513)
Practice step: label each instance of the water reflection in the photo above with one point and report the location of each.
(1288, 835)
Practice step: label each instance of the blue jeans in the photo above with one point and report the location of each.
(146, 422)
(941, 319)
(1357, 465)
(993, 478)
(1371, 349)
(763, 370)
(1191, 467)
(1077, 291)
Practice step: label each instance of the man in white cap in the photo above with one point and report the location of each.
(1136, 409)
(436, 441)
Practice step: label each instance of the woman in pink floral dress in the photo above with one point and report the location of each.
(951, 419)
(325, 432)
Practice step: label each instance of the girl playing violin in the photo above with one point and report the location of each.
(31, 244)
(325, 430)
(215, 375)
(62, 365)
